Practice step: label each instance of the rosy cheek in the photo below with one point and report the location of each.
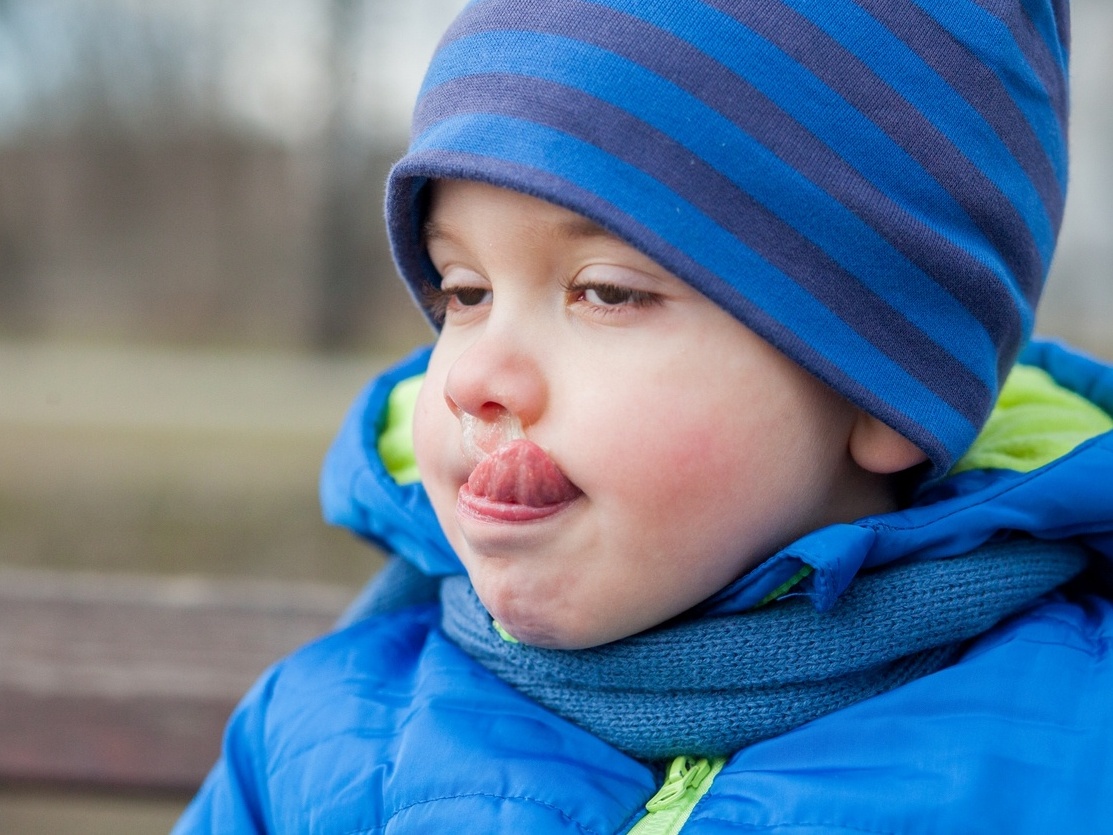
(422, 434)
(704, 463)
(432, 431)
(672, 468)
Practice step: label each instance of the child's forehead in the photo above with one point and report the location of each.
(538, 215)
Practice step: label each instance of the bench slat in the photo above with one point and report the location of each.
(126, 682)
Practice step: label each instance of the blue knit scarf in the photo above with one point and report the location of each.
(715, 685)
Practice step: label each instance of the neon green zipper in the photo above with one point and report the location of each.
(687, 781)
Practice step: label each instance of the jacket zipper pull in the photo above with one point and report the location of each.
(686, 781)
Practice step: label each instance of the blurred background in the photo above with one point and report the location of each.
(194, 283)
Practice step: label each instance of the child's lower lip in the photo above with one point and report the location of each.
(483, 509)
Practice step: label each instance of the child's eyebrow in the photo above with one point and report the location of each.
(579, 228)
(433, 231)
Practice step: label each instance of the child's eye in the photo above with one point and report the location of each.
(440, 301)
(468, 296)
(607, 296)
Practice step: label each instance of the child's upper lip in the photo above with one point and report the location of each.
(521, 473)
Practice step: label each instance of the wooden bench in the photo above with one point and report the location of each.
(125, 683)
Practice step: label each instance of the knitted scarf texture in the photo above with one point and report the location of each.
(712, 686)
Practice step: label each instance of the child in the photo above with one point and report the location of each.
(701, 519)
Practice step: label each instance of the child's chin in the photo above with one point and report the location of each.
(561, 636)
(536, 634)
(545, 633)
(550, 614)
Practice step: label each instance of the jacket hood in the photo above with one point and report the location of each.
(1018, 479)
(359, 493)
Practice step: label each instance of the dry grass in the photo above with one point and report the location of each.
(170, 502)
(140, 460)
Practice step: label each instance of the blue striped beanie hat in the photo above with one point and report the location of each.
(873, 186)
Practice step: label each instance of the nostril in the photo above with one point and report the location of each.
(490, 411)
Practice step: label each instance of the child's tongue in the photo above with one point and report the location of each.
(521, 473)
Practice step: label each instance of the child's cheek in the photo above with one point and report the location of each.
(422, 432)
(677, 462)
(435, 433)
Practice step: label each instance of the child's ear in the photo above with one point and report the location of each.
(879, 448)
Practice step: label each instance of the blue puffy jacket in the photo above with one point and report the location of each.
(386, 726)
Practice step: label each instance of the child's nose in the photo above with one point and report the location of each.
(499, 375)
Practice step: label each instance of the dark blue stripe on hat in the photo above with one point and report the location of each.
(447, 151)
(1050, 21)
(622, 136)
(979, 85)
(1046, 58)
(845, 73)
(1061, 24)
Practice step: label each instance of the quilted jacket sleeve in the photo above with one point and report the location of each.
(233, 797)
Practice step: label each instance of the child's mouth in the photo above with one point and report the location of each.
(518, 482)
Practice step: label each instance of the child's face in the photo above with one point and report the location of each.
(679, 448)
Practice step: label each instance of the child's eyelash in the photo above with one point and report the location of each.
(621, 294)
(434, 301)
(437, 300)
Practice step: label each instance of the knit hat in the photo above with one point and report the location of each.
(873, 186)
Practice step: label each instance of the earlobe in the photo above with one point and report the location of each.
(878, 448)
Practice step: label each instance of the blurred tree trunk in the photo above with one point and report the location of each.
(343, 268)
